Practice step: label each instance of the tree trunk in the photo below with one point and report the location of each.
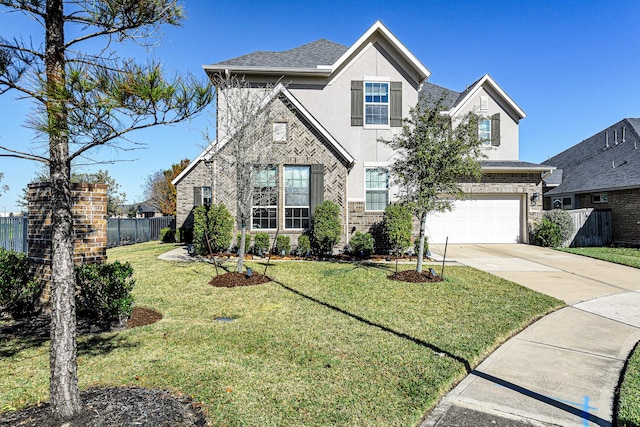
(423, 227)
(243, 237)
(63, 388)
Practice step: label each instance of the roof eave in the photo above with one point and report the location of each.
(507, 169)
(378, 26)
(235, 69)
(487, 79)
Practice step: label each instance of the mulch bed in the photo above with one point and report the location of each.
(233, 279)
(413, 276)
(118, 406)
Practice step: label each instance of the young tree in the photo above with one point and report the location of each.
(159, 192)
(245, 148)
(436, 152)
(86, 96)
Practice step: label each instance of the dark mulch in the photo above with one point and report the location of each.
(414, 277)
(233, 279)
(141, 316)
(119, 406)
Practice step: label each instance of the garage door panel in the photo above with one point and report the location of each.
(482, 219)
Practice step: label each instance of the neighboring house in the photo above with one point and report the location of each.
(139, 210)
(337, 104)
(601, 172)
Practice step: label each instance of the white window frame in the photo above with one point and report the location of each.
(206, 194)
(307, 207)
(379, 190)
(372, 81)
(487, 140)
(563, 205)
(275, 207)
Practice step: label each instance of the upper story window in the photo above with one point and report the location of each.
(376, 103)
(376, 183)
(484, 131)
(489, 130)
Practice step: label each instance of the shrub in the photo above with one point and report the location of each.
(167, 235)
(214, 224)
(547, 233)
(200, 231)
(261, 243)
(564, 221)
(220, 227)
(304, 245)
(283, 243)
(361, 244)
(326, 228)
(104, 291)
(397, 226)
(247, 242)
(553, 229)
(19, 291)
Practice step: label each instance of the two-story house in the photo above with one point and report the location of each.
(338, 103)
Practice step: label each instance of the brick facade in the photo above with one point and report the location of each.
(89, 225)
(625, 213)
(303, 146)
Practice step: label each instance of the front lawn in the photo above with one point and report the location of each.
(324, 344)
(624, 256)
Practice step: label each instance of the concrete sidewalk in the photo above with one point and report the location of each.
(564, 369)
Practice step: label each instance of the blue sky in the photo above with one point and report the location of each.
(572, 66)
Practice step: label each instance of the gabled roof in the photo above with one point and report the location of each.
(322, 57)
(473, 90)
(279, 90)
(600, 163)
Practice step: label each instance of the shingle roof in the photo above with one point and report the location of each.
(310, 55)
(431, 94)
(592, 165)
(512, 164)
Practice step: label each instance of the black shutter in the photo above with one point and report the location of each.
(395, 118)
(357, 103)
(197, 196)
(495, 130)
(316, 190)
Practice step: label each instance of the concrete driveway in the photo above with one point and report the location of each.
(565, 276)
(562, 370)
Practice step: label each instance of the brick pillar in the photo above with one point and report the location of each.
(89, 226)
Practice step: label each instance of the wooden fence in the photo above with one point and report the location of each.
(591, 228)
(120, 231)
(13, 233)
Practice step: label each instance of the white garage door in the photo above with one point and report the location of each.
(481, 219)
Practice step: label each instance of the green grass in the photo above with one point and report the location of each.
(326, 344)
(629, 402)
(624, 256)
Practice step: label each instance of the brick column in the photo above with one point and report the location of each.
(89, 226)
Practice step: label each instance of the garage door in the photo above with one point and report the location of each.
(482, 219)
